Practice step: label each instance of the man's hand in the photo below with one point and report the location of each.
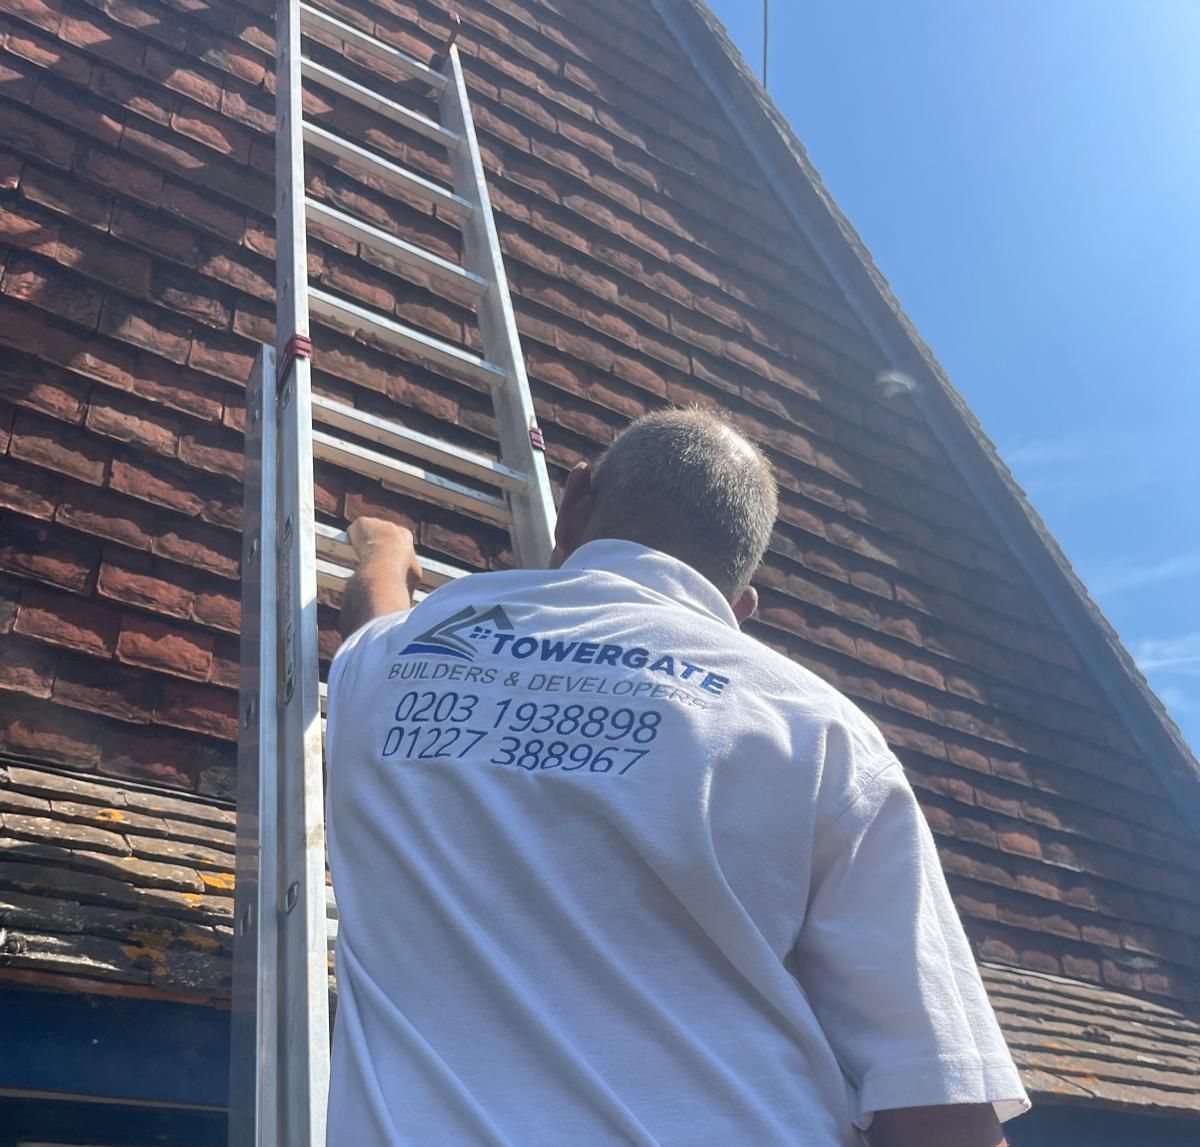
(387, 574)
(368, 535)
(954, 1125)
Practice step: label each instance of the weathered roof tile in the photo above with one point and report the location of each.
(155, 645)
(117, 817)
(649, 262)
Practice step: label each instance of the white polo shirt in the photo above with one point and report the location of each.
(611, 872)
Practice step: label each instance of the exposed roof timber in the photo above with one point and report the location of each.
(770, 139)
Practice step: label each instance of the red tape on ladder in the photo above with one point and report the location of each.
(536, 440)
(298, 346)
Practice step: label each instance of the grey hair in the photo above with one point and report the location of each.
(687, 482)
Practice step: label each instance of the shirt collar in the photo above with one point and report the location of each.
(654, 570)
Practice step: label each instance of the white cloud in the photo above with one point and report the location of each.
(1169, 655)
(1134, 575)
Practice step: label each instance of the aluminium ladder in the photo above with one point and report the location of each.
(280, 1050)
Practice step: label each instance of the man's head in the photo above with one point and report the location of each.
(684, 482)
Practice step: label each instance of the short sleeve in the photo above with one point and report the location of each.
(886, 967)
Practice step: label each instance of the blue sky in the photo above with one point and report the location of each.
(1027, 175)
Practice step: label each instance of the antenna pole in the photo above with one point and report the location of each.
(766, 23)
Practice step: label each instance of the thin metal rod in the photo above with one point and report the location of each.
(766, 33)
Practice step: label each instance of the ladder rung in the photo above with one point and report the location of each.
(334, 577)
(331, 575)
(389, 109)
(380, 242)
(369, 163)
(312, 19)
(338, 311)
(331, 412)
(409, 478)
(334, 545)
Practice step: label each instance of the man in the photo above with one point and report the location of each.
(611, 872)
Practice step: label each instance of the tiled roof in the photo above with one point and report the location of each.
(1079, 1042)
(119, 889)
(649, 263)
(112, 886)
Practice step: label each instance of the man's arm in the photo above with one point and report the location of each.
(888, 971)
(955, 1125)
(387, 574)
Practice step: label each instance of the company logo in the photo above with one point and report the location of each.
(463, 635)
(454, 636)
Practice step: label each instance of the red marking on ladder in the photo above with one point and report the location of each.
(535, 438)
(298, 346)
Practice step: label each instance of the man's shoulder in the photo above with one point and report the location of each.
(803, 697)
(773, 664)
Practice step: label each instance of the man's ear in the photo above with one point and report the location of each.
(746, 604)
(574, 513)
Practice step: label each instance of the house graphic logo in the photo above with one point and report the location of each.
(455, 636)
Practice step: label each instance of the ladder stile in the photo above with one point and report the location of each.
(302, 977)
(285, 919)
(303, 967)
(516, 421)
(253, 1059)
